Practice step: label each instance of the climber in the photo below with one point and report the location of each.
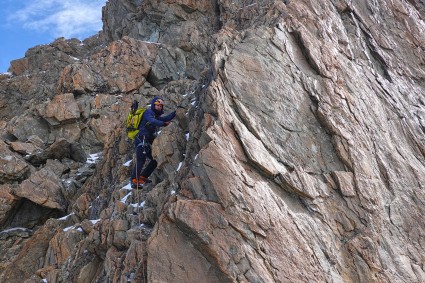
(151, 121)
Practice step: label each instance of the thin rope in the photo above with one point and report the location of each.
(139, 222)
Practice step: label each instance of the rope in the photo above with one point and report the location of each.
(139, 220)
(140, 232)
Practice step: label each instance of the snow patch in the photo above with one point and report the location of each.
(124, 199)
(68, 228)
(93, 157)
(14, 229)
(127, 187)
(66, 216)
(8, 158)
(73, 227)
(142, 204)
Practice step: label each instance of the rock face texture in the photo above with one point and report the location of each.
(299, 156)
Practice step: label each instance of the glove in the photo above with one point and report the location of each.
(135, 105)
(167, 123)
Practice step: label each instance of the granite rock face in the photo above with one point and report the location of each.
(298, 155)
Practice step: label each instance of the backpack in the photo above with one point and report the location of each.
(133, 120)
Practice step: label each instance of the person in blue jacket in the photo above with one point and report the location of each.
(148, 128)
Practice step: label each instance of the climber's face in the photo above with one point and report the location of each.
(159, 104)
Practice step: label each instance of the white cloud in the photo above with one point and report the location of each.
(67, 18)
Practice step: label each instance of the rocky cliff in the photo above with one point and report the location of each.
(299, 156)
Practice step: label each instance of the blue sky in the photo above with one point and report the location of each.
(27, 23)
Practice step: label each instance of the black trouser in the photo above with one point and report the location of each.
(143, 151)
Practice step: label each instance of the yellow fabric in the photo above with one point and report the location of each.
(133, 121)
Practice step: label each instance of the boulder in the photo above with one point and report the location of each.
(12, 166)
(7, 202)
(106, 70)
(62, 108)
(44, 187)
(26, 125)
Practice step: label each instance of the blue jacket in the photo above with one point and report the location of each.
(151, 121)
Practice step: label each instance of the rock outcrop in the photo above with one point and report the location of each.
(299, 156)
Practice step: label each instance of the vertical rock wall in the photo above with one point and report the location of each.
(315, 158)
